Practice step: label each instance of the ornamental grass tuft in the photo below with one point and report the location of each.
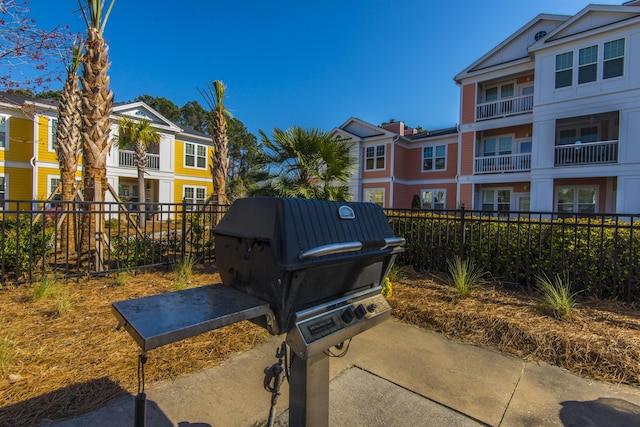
(466, 275)
(556, 297)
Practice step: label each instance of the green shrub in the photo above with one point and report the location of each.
(24, 244)
(134, 251)
(183, 270)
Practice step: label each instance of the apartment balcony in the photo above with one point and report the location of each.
(128, 159)
(586, 153)
(520, 162)
(504, 107)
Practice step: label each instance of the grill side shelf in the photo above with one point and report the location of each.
(158, 320)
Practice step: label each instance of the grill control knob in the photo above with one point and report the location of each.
(360, 311)
(371, 308)
(347, 315)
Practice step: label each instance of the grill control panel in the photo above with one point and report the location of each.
(323, 327)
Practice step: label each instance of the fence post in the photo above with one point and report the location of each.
(184, 227)
(463, 233)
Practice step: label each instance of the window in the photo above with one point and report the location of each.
(53, 185)
(434, 158)
(613, 59)
(564, 70)
(587, 64)
(499, 92)
(4, 128)
(374, 195)
(502, 145)
(53, 129)
(195, 155)
(583, 134)
(374, 157)
(576, 199)
(3, 191)
(496, 200)
(193, 195)
(433, 199)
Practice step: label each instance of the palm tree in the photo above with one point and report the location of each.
(68, 143)
(308, 163)
(213, 95)
(138, 135)
(97, 100)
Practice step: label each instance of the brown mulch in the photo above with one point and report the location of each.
(55, 366)
(600, 340)
(61, 365)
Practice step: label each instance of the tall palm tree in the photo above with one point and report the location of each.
(138, 135)
(97, 101)
(308, 163)
(214, 95)
(68, 143)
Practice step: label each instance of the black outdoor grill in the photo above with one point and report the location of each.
(311, 269)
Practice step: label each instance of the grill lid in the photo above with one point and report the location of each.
(309, 231)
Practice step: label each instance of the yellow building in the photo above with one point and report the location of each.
(178, 167)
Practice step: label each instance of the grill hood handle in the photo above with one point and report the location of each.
(337, 248)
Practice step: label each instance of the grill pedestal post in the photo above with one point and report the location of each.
(309, 391)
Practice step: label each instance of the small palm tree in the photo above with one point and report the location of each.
(138, 135)
(309, 163)
(214, 96)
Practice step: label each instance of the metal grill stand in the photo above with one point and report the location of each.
(309, 391)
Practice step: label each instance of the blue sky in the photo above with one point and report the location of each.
(306, 63)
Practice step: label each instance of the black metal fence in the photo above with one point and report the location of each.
(67, 239)
(600, 253)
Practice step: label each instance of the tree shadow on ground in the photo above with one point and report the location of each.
(604, 411)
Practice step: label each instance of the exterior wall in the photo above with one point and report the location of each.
(43, 141)
(467, 151)
(466, 196)
(19, 183)
(20, 141)
(468, 103)
(404, 194)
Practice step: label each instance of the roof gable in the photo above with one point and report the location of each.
(362, 129)
(591, 18)
(141, 111)
(515, 47)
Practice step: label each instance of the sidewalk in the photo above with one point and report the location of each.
(393, 375)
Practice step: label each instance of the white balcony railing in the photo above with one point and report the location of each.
(504, 163)
(586, 153)
(128, 159)
(504, 107)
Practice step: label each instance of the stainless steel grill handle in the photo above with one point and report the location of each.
(337, 248)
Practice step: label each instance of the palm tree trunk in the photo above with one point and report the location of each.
(97, 101)
(141, 160)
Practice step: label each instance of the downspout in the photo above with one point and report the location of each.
(392, 169)
(458, 166)
(32, 161)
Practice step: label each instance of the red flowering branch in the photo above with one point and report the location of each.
(30, 57)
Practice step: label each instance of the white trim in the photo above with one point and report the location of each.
(195, 156)
(7, 138)
(50, 134)
(434, 158)
(195, 192)
(375, 157)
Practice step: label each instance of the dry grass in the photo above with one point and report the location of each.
(56, 365)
